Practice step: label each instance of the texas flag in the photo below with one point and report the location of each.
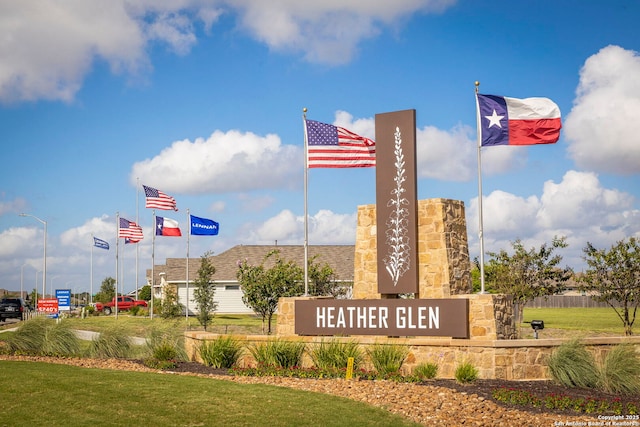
(167, 227)
(513, 121)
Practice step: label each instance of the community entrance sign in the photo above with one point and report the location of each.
(390, 317)
(397, 256)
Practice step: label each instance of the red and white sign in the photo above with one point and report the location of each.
(49, 305)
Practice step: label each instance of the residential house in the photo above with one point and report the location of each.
(228, 294)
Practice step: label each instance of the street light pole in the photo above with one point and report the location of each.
(53, 294)
(44, 256)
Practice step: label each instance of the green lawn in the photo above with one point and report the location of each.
(585, 320)
(50, 394)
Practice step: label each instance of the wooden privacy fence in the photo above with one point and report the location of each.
(566, 301)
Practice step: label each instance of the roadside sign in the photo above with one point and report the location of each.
(48, 305)
(64, 299)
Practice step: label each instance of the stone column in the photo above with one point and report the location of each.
(443, 253)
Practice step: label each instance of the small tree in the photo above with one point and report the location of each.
(145, 293)
(107, 290)
(613, 277)
(526, 275)
(169, 306)
(324, 281)
(205, 290)
(262, 287)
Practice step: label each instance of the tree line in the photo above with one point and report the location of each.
(612, 275)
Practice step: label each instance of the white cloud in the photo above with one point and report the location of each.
(446, 155)
(581, 201)
(578, 207)
(602, 125)
(223, 163)
(325, 227)
(81, 237)
(365, 127)
(327, 31)
(49, 47)
(20, 240)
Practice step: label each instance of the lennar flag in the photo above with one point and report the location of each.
(204, 226)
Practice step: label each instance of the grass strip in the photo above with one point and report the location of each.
(73, 396)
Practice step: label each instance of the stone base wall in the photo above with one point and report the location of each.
(495, 359)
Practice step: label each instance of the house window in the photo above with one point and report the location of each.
(232, 287)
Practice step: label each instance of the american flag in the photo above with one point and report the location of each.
(158, 200)
(331, 146)
(129, 230)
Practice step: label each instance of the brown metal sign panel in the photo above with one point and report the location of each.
(396, 201)
(385, 317)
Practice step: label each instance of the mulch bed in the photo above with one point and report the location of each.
(481, 387)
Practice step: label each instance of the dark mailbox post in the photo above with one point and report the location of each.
(537, 325)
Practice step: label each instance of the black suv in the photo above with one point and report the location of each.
(12, 308)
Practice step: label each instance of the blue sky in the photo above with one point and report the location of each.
(203, 99)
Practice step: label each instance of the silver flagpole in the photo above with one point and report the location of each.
(480, 227)
(137, 222)
(186, 311)
(91, 278)
(153, 262)
(306, 214)
(117, 245)
(124, 247)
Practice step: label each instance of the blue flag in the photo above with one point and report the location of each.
(98, 243)
(203, 226)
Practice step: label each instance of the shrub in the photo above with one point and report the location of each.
(29, 337)
(466, 373)
(620, 371)
(223, 352)
(335, 354)
(279, 353)
(387, 358)
(426, 371)
(166, 342)
(112, 342)
(573, 366)
(60, 340)
(43, 336)
(135, 310)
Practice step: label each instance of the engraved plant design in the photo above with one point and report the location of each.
(397, 260)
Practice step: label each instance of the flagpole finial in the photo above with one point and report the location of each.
(304, 109)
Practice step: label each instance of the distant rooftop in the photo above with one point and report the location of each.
(339, 257)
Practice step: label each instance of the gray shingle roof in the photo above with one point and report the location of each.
(339, 257)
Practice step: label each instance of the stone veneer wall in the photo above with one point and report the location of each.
(443, 253)
(495, 359)
(444, 269)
